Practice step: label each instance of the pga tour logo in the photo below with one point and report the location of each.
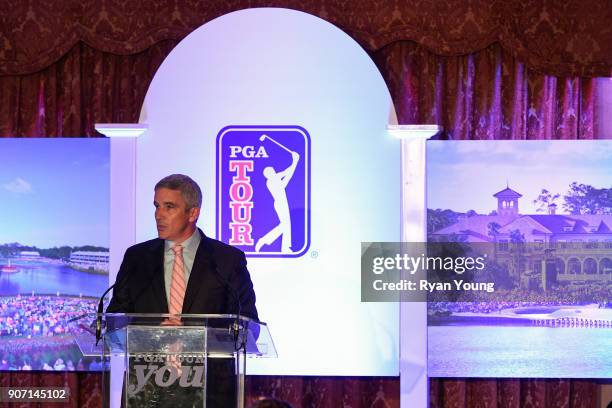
(263, 189)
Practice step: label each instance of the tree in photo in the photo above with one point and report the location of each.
(438, 219)
(586, 199)
(545, 200)
(517, 249)
(493, 230)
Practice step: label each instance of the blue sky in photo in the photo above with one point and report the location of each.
(464, 175)
(54, 191)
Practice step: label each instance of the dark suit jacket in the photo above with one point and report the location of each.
(140, 288)
(140, 281)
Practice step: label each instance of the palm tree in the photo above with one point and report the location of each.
(517, 247)
(545, 200)
(493, 231)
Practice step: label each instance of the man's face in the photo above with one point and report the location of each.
(174, 221)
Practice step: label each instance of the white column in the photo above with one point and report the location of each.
(122, 215)
(414, 390)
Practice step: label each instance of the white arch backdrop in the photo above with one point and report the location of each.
(277, 67)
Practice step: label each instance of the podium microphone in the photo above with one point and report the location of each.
(100, 311)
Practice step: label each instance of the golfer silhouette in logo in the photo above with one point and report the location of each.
(276, 184)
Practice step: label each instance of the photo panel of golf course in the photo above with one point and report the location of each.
(540, 213)
(54, 249)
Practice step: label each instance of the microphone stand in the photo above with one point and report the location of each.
(99, 314)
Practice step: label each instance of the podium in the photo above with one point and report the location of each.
(188, 360)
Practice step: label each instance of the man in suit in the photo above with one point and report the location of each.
(184, 271)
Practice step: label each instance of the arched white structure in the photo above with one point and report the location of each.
(277, 67)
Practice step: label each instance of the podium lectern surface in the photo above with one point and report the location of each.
(180, 360)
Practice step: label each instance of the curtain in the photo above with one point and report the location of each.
(513, 393)
(483, 95)
(326, 392)
(83, 87)
(85, 388)
(353, 392)
(569, 38)
(486, 95)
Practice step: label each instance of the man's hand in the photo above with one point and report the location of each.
(171, 321)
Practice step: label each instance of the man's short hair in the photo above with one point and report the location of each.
(189, 189)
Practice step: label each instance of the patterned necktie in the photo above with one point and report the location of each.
(178, 285)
